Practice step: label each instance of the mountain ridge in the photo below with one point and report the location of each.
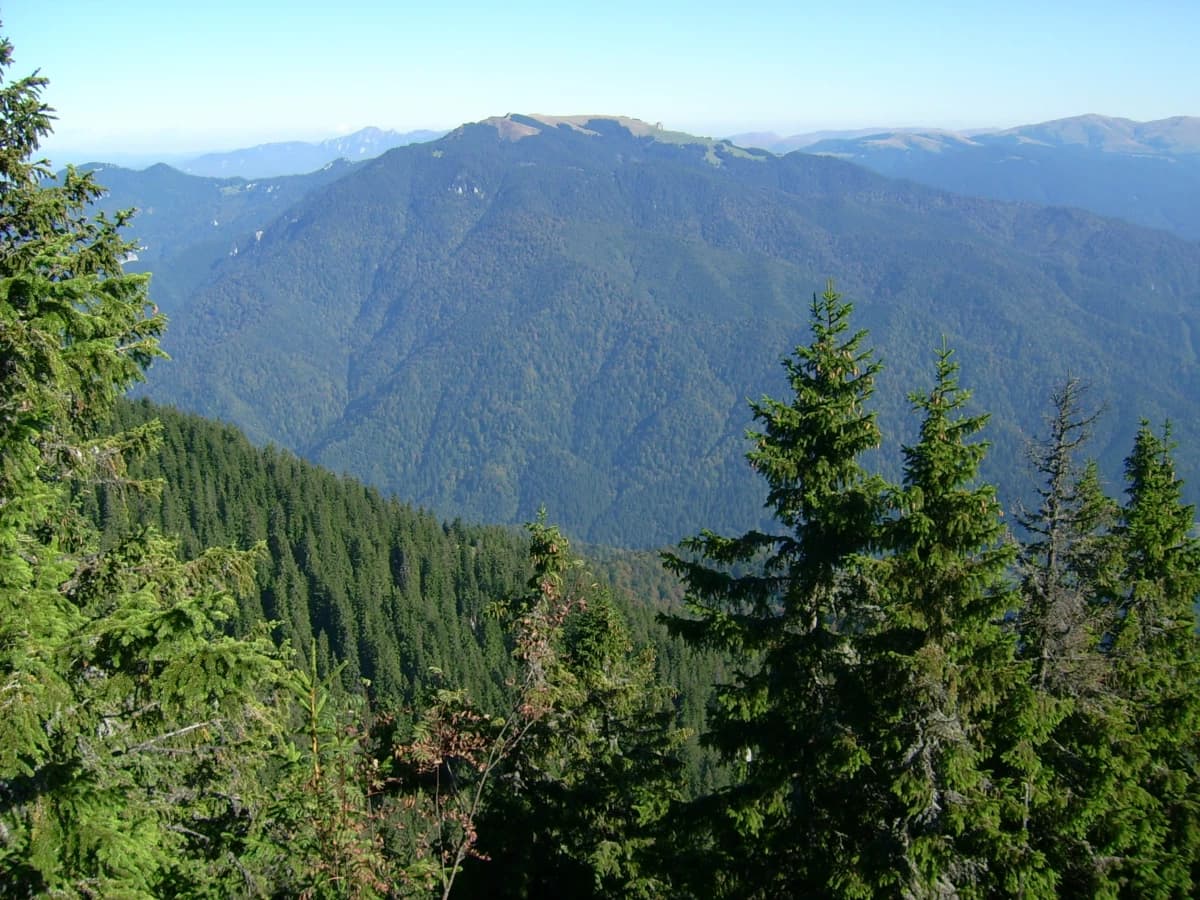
(1171, 135)
(1147, 173)
(300, 157)
(483, 325)
(186, 224)
(1113, 134)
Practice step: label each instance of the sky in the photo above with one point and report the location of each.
(175, 78)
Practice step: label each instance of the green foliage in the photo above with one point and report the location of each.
(1108, 622)
(456, 752)
(129, 721)
(578, 807)
(153, 740)
(1087, 817)
(383, 587)
(920, 707)
(914, 705)
(788, 614)
(1155, 658)
(954, 731)
(319, 831)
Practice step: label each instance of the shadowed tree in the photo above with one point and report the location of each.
(577, 810)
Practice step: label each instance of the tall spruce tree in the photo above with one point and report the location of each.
(786, 607)
(1063, 561)
(125, 710)
(954, 733)
(1155, 656)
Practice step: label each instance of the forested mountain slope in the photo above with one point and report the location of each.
(918, 703)
(575, 312)
(913, 690)
(186, 224)
(369, 581)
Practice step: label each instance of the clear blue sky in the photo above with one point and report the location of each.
(172, 76)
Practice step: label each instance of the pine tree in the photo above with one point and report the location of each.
(786, 608)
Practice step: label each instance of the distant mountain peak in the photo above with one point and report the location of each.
(509, 128)
(932, 141)
(514, 127)
(297, 157)
(1112, 134)
(1107, 134)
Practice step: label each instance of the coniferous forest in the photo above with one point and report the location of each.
(225, 672)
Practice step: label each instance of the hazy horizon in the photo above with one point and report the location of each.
(182, 81)
(85, 154)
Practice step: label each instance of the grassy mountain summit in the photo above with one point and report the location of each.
(577, 317)
(515, 127)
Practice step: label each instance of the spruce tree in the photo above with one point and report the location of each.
(1068, 563)
(1155, 657)
(1063, 560)
(130, 726)
(954, 730)
(786, 607)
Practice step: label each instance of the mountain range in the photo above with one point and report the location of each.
(1178, 135)
(1145, 172)
(574, 311)
(299, 157)
(776, 143)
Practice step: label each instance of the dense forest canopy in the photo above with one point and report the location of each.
(226, 673)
